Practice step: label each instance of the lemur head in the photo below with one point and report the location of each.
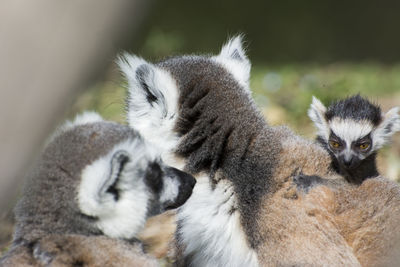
(98, 177)
(352, 129)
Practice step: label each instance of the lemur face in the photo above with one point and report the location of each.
(353, 128)
(350, 142)
(127, 185)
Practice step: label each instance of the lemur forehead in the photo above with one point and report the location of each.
(351, 130)
(356, 108)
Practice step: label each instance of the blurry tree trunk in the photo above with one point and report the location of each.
(49, 50)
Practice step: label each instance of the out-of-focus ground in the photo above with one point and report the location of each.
(283, 92)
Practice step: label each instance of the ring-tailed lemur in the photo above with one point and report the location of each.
(352, 130)
(90, 194)
(242, 212)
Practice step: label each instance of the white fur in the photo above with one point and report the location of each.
(154, 120)
(350, 130)
(209, 231)
(170, 189)
(126, 217)
(317, 115)
(380, 135)
(84, 118)
(238, 67)
(209, 228)
(81, 119)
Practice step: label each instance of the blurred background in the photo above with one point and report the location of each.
(298, 49)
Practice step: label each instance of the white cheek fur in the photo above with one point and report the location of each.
(350, 130)
(126, 217)
(170, 190)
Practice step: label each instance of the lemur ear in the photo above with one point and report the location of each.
(233, 58)
(317, 115)
(389, 126)
(233, 49)
(152, 92)
(117, 163)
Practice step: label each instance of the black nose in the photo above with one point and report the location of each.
(187, 183)
(191, 181)
(347, 162)
(184, 177)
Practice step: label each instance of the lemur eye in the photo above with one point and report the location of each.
(364, 146)
(334, 144)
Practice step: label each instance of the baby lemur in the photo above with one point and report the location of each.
(352, 130)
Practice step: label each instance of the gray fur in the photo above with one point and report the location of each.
(50, 215)
(48, 203)
(223, 131)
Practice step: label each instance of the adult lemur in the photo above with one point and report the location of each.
(89, 195)
(352, 130)
(264, 196)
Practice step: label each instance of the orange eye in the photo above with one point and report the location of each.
(334, 144)
(364, 146)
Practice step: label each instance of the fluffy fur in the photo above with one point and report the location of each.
(245, 210)
(351, 122)
(88, 196)
(79, 250)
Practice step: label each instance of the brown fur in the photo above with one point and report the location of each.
(333, 223)
(77, 250)
(158, 232)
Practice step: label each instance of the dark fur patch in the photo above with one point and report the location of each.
(142, 73)
(122, 160)
(305, 182)
(236, 55)
(153, 177)
(356, 108)
(388, 128)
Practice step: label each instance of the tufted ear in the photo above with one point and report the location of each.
(389, 126)
(317, 115)
(233, 49)
(233, 58)
(146, 85)
(152, 97)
